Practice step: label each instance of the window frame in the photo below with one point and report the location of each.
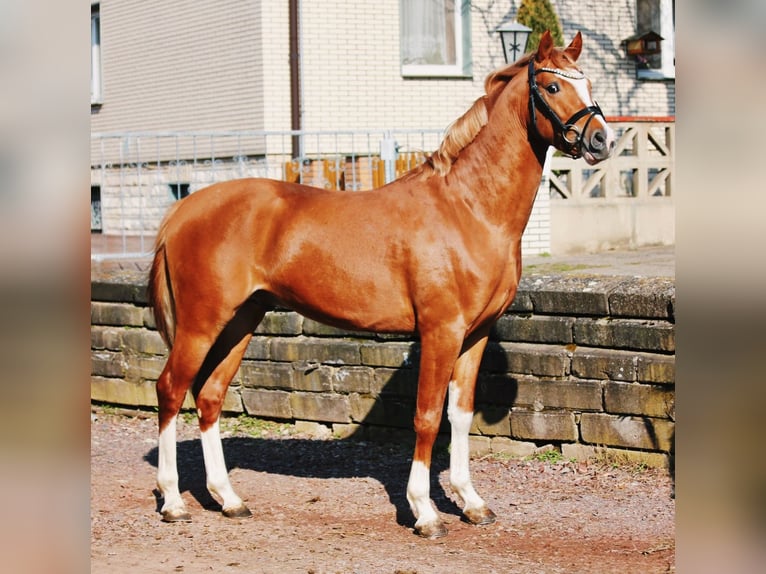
(96, 211)
(179, 190)
(667, 69)
(96, 89)
(462, 67)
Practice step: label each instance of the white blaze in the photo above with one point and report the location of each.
(581, 87)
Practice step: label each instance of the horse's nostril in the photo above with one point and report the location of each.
(598, 140)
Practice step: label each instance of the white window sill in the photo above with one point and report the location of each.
(410, 71)
(644, 74)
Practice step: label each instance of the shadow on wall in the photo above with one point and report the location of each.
(389, 420)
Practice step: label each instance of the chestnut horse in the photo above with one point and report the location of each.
(436, 252)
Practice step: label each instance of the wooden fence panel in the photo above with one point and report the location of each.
(642, 166)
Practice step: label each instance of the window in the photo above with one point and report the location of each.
(658, 16)
(435, 37)
(179, 190)
(95, 54)
(95, 209)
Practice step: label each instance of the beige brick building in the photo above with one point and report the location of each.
(212, 65)
(206, 64)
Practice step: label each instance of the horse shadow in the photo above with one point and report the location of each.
(350, 457)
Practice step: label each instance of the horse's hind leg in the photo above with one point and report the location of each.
(223, 360)
(209, 365)
(183, 363)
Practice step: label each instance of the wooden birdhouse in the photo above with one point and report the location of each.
(643, 44)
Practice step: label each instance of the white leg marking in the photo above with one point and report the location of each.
(167, 470)
(460, 478)
(215, 467)
(418, 494)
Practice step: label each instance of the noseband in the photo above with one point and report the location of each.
(571, 135)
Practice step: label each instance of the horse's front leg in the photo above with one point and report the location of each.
(460, 414)
(438, 354)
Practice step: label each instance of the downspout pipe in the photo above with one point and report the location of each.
(295, 77)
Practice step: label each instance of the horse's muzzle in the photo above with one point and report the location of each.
(598, 143)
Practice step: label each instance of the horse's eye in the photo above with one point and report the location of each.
(552, 88)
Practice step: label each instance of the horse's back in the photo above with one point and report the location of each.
(334, 256)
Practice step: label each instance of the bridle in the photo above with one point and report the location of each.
(571, 135)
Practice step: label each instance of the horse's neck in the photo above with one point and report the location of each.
(501, 171)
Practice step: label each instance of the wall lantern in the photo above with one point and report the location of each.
(514, 37)
(643, 44)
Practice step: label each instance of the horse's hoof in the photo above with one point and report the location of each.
(240, 511)
(480, 516)
(431, 531)
(176, 516)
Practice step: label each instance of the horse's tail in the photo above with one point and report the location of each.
(159, 290)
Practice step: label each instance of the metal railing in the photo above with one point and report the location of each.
(136, 176)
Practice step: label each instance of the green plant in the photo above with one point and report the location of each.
(500, 456)
(557, 267)
(640, 467)
(540, 16)
(550, 456)
(188, 417)
(614, 460)
(107, 409)
(253, 426)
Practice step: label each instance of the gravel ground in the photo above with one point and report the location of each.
(338, 506)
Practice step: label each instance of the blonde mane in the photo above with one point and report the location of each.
(465, 129)
(458, 135)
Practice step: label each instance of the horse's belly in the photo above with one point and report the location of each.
(351, 296)
(351, 311)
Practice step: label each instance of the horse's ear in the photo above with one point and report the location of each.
(545, 46)
(574, 49)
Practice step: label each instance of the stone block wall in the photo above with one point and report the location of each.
(584, 363)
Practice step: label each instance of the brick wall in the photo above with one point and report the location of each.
(584, 363)
(351, 70)
(183, 65)
(604, 25)
(180, 65)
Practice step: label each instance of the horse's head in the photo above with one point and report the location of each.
(559, 89)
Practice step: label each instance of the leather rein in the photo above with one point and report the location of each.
(571, 135)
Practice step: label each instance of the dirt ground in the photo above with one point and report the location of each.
(338, 506)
